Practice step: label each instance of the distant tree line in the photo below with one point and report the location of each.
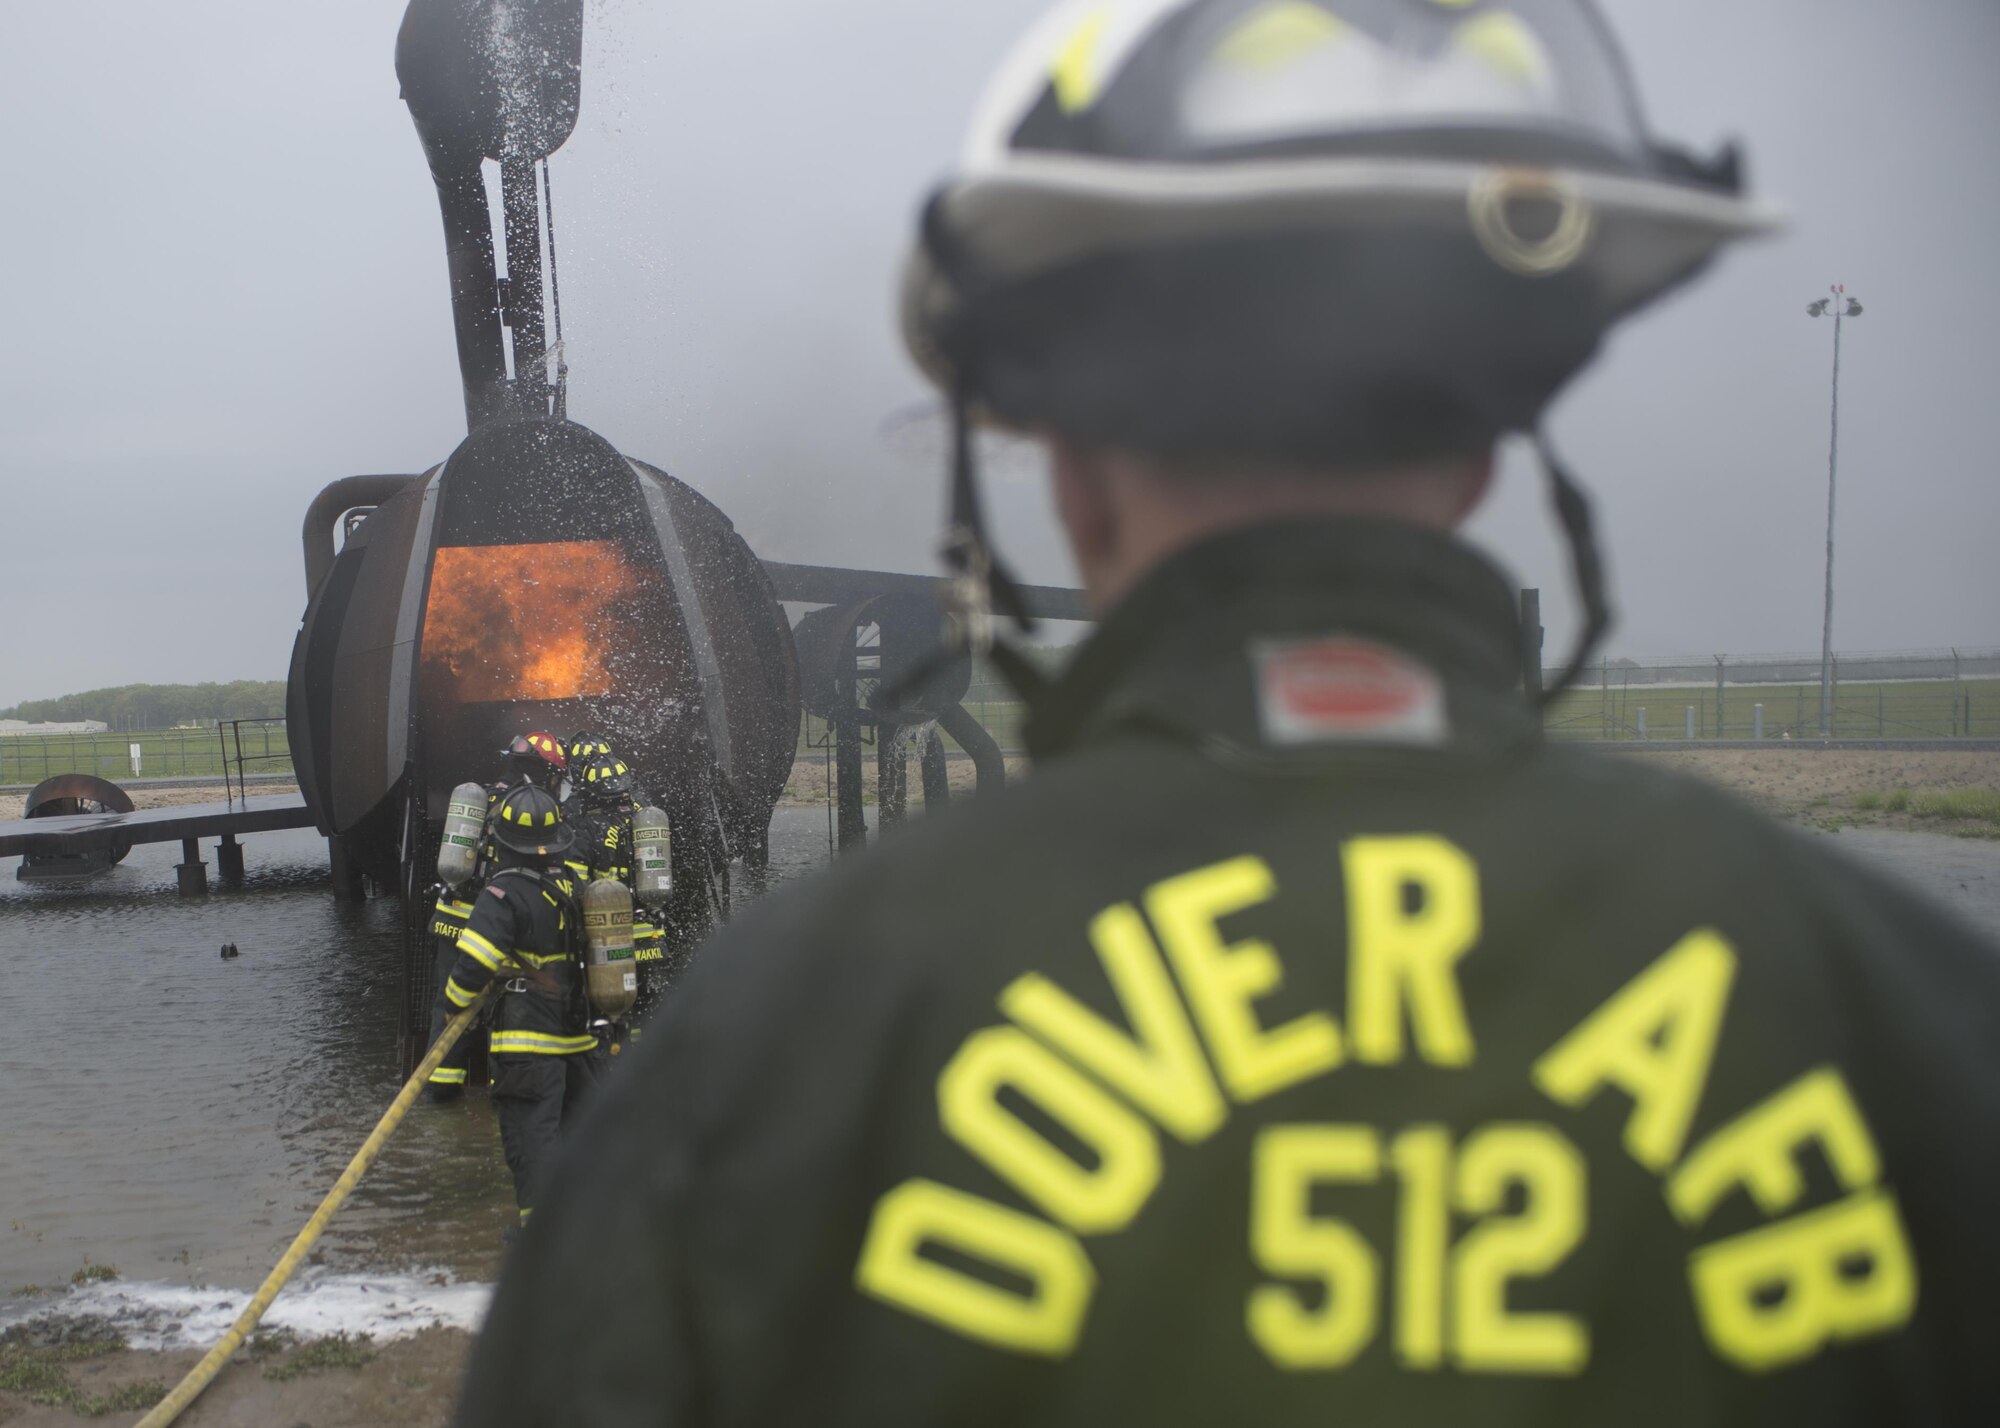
(159, 706)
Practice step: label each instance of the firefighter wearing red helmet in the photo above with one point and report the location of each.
(537, 758)
(1306, 1040)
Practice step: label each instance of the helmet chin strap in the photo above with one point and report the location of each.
(980, 583)
(977, 583)
(1573, 514)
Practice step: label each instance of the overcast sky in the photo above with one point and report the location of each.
(226, 287)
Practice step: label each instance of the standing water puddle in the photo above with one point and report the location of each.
(177, 1115)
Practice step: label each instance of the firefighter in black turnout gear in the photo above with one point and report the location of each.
(534, 760)
(601, 809)
(1306, 1040)
(524, 931)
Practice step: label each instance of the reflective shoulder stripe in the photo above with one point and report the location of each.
(539, 1043)
(481, 951)
(457, 995)
(456, 909)
(448, 1076)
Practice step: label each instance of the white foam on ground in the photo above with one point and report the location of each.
(386, 1306)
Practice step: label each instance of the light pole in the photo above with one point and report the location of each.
(1842, 306)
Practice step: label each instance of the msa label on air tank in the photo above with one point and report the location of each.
(1340, 689)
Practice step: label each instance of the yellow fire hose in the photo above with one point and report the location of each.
(203, 1373)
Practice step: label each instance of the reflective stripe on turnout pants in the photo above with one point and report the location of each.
(537, 1099)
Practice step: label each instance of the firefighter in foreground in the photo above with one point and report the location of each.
(1305, 1040)
(465, 857)
(525, 929)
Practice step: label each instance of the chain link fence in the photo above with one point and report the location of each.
(1913, 694)
(1902, 694)
(163, 753)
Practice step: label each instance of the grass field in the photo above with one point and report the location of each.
(163, 753)
(1975, 804)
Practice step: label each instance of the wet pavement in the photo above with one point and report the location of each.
(1962, 873)
(178, 1115)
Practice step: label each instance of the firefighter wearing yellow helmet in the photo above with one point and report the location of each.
(601, 808)
(1306, 1040)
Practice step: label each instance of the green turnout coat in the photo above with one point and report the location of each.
(1305, 1041)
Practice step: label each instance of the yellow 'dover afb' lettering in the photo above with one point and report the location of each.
(1414, 912)
(1190, 1041)
(1778, 1294)
(1654, 1041)
(920, 1212)
(1775, 1295)
(1398, 958)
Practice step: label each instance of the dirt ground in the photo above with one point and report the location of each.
(408, 1383)
(1819, 786)
(12, 804)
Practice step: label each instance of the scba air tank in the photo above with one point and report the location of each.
(611, 974)
(652, 854)
(464, 823)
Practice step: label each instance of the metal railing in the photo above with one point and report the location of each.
(236, 761)
(190, 752)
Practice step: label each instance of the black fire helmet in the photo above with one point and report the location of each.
(605, 780)
(1344, 234)
(528, 821)
(586, 744)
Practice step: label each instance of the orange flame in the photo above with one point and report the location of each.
(510, 622)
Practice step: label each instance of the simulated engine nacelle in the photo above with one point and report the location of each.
(539, 580)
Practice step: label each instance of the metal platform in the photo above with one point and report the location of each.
(187, 825)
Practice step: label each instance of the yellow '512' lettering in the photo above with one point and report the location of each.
(1336, 1321)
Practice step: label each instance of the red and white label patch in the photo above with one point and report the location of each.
(1340, 689)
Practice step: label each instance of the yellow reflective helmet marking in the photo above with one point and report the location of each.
(1506, 43)
(1279, 32)
(1075, 72)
